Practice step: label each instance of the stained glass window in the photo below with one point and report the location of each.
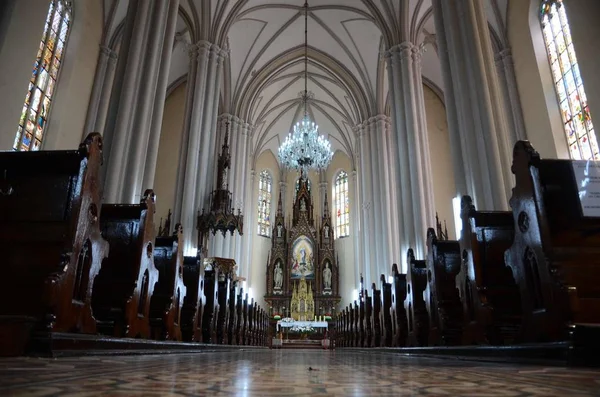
(342, 205)
(571, 96)
(265, 190)
(42, 84)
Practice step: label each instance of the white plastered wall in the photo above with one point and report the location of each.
(344, 247)
(261, 245)
(444, 189)
(168, 152)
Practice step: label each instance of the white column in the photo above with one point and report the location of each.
(123, 100)
(249, 229)
(508, 81)
(368, 223)
(97, 89)
(412, 173)
(161, 93)
(107, 84)
(355, 221)
(185, 134)
(140, 134)
(191, 149)
(462, 28)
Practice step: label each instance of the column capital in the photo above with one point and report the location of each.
(504, 55)
(109, 52)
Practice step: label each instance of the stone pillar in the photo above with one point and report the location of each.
(123, 101)
(161, 93)
(140, 134)
(508, 81)
(104, 101)
(369, 261)
(250, 231)
(412, 172)
(197, 162)
(355, 221)
(478, 118)
(97, 89)
(323, 185)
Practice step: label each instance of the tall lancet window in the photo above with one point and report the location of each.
(342, 205)
(34, 116)
(575, 112)
(265, 188)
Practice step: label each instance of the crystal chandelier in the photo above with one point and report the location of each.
(304, 148)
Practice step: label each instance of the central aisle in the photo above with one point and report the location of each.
(286, 373)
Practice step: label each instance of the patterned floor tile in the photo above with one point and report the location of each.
(286, 373)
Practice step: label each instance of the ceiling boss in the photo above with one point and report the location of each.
(304, 148)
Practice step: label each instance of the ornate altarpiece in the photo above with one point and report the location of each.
(302, 268)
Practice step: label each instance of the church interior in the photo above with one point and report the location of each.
(291, 197)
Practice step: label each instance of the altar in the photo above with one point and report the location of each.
(314, 324)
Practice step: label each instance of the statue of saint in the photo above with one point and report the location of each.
(302, 205)
(278, 276)
(326, 231)
(327, 277)
(279, 230)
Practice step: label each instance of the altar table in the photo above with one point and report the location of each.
(314, 324)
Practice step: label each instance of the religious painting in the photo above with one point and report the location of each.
(302, 259)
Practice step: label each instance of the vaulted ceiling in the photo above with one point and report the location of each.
(346, 73)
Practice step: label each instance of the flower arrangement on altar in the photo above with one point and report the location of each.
(287, 320)
(305, 329)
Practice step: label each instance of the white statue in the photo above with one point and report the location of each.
(327, 277)
(278, 276)
(279, 230)
(326, 231)
(302, 205)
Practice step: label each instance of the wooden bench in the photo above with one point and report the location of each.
(192, 310)
(361, 323)
(555, 257)
(211, 306)
(50, 241)
(239, 323)
(170, 291)
(124, 287)
(386, 316)
(441, 295)
(414, 304)
(368, 319)
(376, 303)
(399, 318)
(231, 314)
(489, 294)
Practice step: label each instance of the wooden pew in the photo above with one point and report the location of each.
(555, 254)
(195, 301)
(356, 325)
(232, 314)
(245, 321)
(442, 298)
(50, 241)
(490, 297)
(124, 287)
(361, 323)
(368, 320)
(399, 318)
(376, 303)
(239, 317)
(170, 291)
(223, 302)
(418, 317)
(211, 306)
(386, 317)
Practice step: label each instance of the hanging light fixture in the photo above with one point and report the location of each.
(304, 148)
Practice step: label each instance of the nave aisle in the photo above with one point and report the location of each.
(286, 373)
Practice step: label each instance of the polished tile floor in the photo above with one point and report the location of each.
(286, 373)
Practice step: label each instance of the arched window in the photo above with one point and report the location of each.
(342, 205)
(298, 187)
(575, 112)
(34, 116)
(265, 187)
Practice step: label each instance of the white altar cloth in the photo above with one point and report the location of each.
(314, 324)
